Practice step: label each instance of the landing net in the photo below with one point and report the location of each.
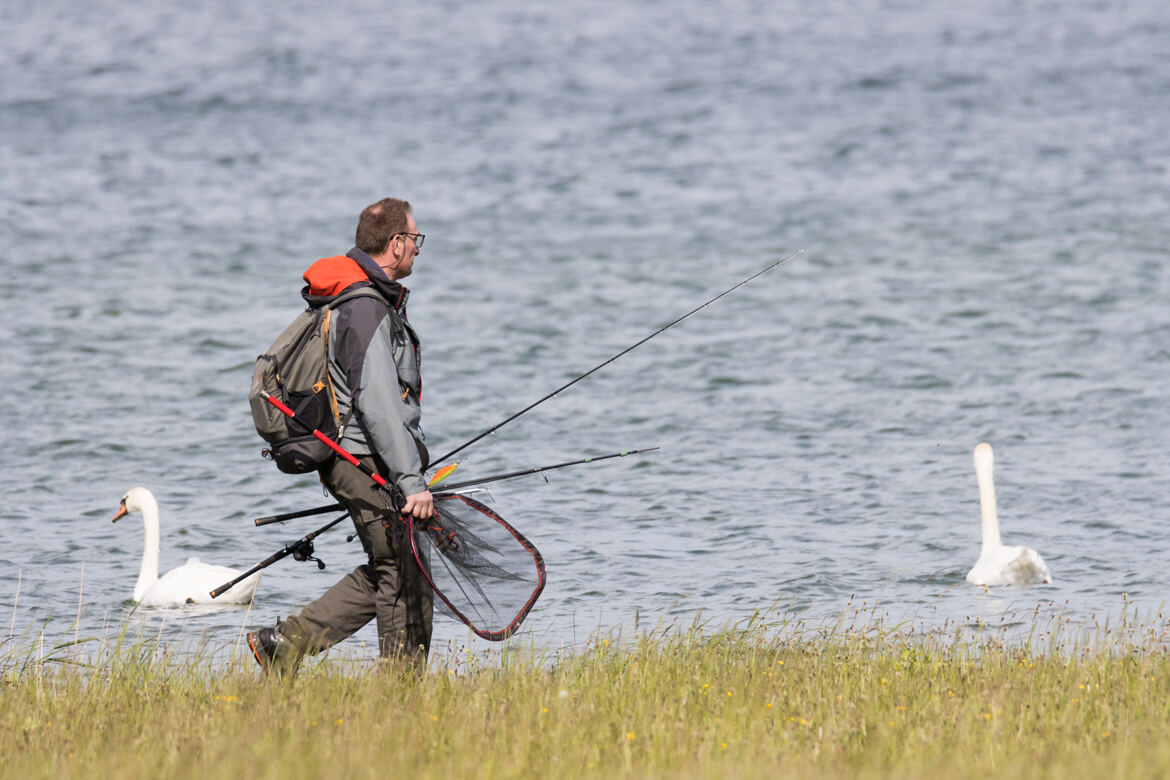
(482, 568)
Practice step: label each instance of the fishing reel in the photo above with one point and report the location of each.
(303, 551)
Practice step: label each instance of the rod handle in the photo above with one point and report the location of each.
(293, 515)
(222, 589)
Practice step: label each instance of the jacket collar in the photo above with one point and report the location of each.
(392, 291)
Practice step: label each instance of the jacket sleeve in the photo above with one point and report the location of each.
(385, 415)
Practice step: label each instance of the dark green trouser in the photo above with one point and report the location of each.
(389, 587)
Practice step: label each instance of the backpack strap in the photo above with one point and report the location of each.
(369, 291)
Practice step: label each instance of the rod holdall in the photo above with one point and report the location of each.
(295, 370)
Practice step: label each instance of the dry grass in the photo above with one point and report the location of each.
(748, 701)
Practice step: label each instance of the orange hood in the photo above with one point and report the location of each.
(330, 275)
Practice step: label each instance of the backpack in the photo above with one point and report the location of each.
(295, 370)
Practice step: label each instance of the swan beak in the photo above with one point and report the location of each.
(121, 513)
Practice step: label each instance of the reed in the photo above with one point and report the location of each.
(749, 700)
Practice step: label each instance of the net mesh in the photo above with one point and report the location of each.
(482, 568)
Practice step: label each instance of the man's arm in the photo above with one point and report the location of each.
(385, 416)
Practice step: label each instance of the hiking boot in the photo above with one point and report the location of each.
(274, 652)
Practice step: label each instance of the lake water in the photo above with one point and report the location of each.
(981, 194)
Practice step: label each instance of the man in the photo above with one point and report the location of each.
(374, 360)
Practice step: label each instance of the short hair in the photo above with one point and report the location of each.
(379, 223)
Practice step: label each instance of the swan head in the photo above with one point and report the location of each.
(984, 458)
(135, 500)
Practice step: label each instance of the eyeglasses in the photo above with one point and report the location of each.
(417, 238)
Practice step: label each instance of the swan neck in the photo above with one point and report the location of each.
(987, 508)
(148, 572)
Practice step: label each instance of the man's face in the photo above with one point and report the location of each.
(398, 261)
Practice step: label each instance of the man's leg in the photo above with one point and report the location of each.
(350, 603)
(389, 586)
(404, 602)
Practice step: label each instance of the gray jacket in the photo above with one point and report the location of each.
(374, 362)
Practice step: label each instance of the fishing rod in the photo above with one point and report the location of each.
(300, 550)
(464, 552)
(459, 485)
(294, 515)
(566, 386)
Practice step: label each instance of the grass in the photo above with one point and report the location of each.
(753, 700)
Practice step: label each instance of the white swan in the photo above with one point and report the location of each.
(190, 583)
(999, 565)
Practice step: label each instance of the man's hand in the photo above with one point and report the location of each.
(421, 505)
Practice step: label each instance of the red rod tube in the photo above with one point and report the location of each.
(331, 444)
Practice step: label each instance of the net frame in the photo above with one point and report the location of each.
(419, 538)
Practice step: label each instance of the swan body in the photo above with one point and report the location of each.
(190, 583)
(999, 564)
